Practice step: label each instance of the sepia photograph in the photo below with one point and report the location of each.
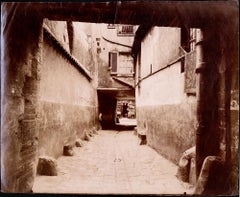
(120, 98)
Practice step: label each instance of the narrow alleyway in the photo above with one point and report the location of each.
(113, 162)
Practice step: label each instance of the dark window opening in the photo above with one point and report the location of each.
(98, 50)
(70, 35)
(185, 39)
(113, 61)
(182, 65)
(151, 68)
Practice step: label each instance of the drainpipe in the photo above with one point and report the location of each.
(214, 56)
(228, 54)
(212, 96)
(224, 122)
(200, 65)
(207, 57)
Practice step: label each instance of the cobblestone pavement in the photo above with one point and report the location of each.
(113, 163)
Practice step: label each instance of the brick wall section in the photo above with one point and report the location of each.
(19, 89)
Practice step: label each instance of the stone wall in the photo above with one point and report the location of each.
(20, 60)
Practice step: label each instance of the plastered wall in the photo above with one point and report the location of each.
(67, 97)
(164, 110)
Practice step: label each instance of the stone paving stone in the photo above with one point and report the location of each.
(113, 163)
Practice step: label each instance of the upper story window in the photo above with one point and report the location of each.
(125, 30)
(192, 40)
(185, 39)
(188, 39)
(121, 63)
(188, 63)
(113, 61)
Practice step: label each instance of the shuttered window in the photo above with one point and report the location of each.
(113, 61)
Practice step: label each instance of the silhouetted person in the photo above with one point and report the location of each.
(100, 119)
(125, 109)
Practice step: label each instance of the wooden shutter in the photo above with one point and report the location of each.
(113, 61)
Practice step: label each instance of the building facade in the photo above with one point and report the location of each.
(115, 72)
(166, 90)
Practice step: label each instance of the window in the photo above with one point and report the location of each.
(188, 62)
(70, 31)
(98, 45)
(125, 30)
(188, 39)
(192, 40)
(190, 75)
(121, 63)
(113, 59)
(185, 39)
(182, 65)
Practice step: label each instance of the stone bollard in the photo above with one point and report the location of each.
(87, 137)
(192, 172)
(210, 182)
(47, 166)
(142, 136)
(135, 131)
(184, 164)
(79, 143)
(143, 139)
(94, 130)
(68, 150)
(90, 133)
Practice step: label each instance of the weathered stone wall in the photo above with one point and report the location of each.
(20, 60)
(164, 110)
(67, 100)
(170, 128)
(61, 124)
